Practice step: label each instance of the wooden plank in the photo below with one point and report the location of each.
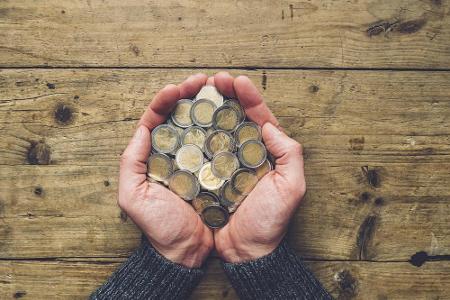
(65, 211)
(86, 117)
(345, 280)
(356, 34)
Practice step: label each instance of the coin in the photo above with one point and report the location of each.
(159, 167)
(184, 184)
(263, 169)
(224, 164)
(189, 157)
(181, 115)
(203, 200)
(247, 131)
(207, 179)
(215, 216)
(194, 135)
(243, 181)
(202, 112)
(165, 138)
(211, 93)
(229, 197)
(226, 118)
(235, 104)
(218, 141)
(252, 154)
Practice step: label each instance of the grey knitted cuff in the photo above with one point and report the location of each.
(148, 275)
(278, 275)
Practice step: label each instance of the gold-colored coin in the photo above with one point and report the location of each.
(159, 167)
(203, 200)
(202, 112)
(211, 93)
(263, 169)
(165, 138)
(243, 181)
(252, 154)
(189, 157)
(229, 197)
(215, 216)
(181, 116)
(207, 179)
(184, 184)
(224, 164)
(235, 104)
(247, 131)
(219, 141)
(194, 135)
(226, 118)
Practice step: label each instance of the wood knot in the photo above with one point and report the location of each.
(106, 183)
(38, 191)
(365, 196)
(39, 153)
(313, 89)
(365, 234)
(63, 114)
(372, 176)
(123, 216)
(51, 86)
(347, 284)
(410, 26)
(264, 80)
(19, 294)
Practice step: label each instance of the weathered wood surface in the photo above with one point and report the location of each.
(345, 280)
(349, 34)
(85, 117)
(376, 144)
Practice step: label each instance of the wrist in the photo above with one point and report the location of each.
(234, 250)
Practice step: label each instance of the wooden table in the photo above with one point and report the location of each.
(363, 85)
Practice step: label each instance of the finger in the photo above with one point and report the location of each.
(252, 102)
(161, 105)
(210, 81)
(287, 153)
(133, 164)
(192, 85)
(224, 83)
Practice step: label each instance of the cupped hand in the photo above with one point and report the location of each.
(174, 229)
(260, 223)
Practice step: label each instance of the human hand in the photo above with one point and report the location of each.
(260, 223)
(174, 229)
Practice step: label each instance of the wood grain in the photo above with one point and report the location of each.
(345, 280)
(66, 211)
(86, 117)
(332, 34)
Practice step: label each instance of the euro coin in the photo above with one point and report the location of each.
(226, 118)
(194, 135)
(189, 157)
(252, 154)
(202, 112)
(219, 141)
(229, 198)
(215, 216)
(263, 169)
(203, 200)
(207, 179)
(243, 181)
(235, 104)
(211, 93)
(184, 184)
(247, 131)
(181, 116)
(165, 139)
(159, 167)
(224, 164)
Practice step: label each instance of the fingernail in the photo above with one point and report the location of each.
(272, 128)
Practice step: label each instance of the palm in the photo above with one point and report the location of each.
(157, 205)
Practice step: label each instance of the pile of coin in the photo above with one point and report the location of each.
(208, 153)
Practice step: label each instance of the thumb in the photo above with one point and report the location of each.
(287, 153)
(134, 159)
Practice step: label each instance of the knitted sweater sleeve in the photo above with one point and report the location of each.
(148, 275)
(278, 275)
